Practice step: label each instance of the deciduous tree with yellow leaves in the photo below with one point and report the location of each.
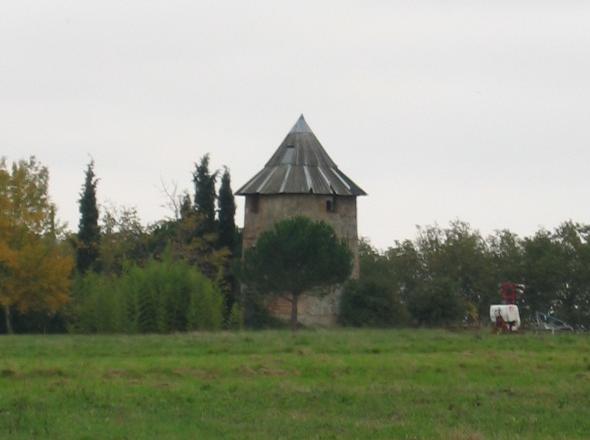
(34, 267)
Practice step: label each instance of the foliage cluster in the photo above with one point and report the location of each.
(444, 276)
(452, 275)
(126, 273)
(35, 266)
(368, 303)
(160, 297)
(297, 255)
(187, 245)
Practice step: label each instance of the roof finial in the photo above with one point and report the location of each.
(301, 126)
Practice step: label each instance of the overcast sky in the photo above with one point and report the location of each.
(477, 110)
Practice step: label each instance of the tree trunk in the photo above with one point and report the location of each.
(294, 299)
(7, 320)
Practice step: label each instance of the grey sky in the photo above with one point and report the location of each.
(478, 110)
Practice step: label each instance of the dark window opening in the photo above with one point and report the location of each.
(331, 205)
(254, 203)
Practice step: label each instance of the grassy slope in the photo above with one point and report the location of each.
(324, 384)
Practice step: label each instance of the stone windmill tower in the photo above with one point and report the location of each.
(301, 179)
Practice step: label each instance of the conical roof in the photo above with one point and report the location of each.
(301, 166)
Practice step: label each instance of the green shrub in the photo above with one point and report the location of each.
(96, 306)
(367, 303)
(235, 319)
(437, 303)
(205, 306)
(162, 297)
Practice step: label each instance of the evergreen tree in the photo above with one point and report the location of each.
(205, 195)
(297, 255)
(88, 230)
(227, 212)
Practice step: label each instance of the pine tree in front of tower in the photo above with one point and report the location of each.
(87, 251)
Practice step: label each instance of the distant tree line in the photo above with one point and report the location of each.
(116, 274)
(451, 276)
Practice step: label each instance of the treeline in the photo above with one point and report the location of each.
(450, 276)
(115, 274)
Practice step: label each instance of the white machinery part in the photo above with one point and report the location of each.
(508, 312)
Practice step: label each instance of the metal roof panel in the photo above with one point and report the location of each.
(301, 165)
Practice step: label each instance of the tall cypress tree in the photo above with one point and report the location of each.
(205, 195)
(88, 230)
(227, 212)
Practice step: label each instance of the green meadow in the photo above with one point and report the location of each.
(330, 384)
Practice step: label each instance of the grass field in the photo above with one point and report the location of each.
(315, 384)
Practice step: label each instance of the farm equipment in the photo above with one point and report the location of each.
(545, 321)
(505, 316)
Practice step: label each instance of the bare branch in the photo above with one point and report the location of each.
(173, 199)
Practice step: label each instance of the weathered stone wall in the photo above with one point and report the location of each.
(262, 211)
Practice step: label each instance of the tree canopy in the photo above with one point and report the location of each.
(34, 269)
(447, 275)
(297, 255)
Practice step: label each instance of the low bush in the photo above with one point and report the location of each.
(437, 303)
(367, 303)
(235, 320)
